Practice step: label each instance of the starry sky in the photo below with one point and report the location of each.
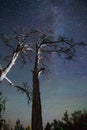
(66, 87)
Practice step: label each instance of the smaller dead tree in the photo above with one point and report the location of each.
(19, 50)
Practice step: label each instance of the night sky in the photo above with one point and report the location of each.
(66, 88)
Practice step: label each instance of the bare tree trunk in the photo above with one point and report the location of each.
(36, 103)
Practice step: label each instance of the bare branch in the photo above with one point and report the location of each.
(25, 89)
(6, 41)
(70, 42)
(9, 81)
(40, 71)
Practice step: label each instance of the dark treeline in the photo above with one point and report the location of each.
(17, 126)
(76, 121)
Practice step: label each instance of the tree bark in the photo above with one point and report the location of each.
(36, 106)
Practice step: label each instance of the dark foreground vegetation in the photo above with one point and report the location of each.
(76, 121)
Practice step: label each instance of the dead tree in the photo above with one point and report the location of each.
(44, 47)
